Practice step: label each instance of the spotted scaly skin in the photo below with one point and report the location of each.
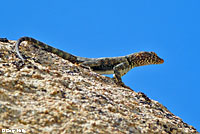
(118, 66)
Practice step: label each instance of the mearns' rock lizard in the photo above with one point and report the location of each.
(118, 66)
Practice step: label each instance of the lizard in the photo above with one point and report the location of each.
(118, 66)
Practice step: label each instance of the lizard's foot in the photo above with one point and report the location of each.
(120, 83)
(84, 66)
(123, 85)
(126, 87)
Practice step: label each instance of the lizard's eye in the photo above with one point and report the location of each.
(154, 53)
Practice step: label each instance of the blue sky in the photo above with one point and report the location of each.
(110, 28)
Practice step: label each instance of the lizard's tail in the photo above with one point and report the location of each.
(48, 48)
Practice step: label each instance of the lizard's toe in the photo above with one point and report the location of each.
(123, 85)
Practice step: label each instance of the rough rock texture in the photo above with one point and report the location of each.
(52, 95)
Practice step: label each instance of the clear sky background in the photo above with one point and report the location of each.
(108, 28)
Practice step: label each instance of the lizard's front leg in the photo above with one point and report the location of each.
(120, 70)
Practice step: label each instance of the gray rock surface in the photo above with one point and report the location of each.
(52, 95)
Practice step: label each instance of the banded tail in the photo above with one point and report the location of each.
(48, 48)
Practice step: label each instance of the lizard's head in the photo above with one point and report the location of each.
(147, 58)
